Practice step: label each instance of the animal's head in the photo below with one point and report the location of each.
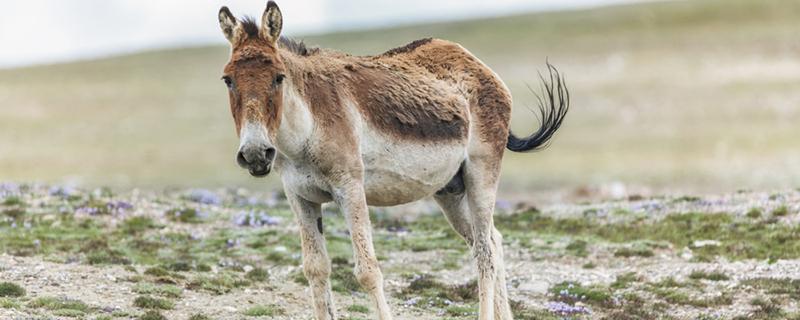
(254, 77)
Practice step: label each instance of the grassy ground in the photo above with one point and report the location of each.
(689, 95)
(235, 254)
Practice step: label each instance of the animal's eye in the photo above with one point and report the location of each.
(279, 78)
(228, 81)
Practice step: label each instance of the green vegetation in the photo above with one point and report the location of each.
(578, 248)
(147, 302)
(199, 316)
(358, 308)
(677, 296)
(62, 306)
(776, 286)
(186, 215)
(217, 284)
(164, 290)
(625, 280)
(636, 251)
(8, 289)
(767, 309)
(152, 315)
(257, 275)
(739, 240)
(137, 224)
(754, 213)
(712, 275)
(437, 294)
(571, 292)
(781, 211)
(264, 311)
(9, 303)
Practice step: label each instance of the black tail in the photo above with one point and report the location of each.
(553, 108)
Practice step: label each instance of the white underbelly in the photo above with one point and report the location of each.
(399, 171)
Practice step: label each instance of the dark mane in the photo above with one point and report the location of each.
(407, 48)
(250, 27)
(297, 47)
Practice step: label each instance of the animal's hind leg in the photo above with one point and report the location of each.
(481, 173)
(316, 265)
(456, 210)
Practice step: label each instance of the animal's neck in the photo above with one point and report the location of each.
(296, 121)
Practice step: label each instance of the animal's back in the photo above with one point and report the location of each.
(488, 98)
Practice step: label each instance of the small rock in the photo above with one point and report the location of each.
(705, 243)
(686, 254)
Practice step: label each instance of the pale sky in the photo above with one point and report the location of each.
(41, 31)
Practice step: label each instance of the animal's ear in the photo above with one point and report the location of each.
(271, 23)
(229, 25)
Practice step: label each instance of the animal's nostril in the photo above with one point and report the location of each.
(240, 159)
(270, 153)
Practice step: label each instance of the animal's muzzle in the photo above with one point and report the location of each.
(256, 158)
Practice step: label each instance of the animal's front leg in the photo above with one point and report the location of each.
(351, 200)
(316, 265)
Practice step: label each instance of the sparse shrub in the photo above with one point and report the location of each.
(767, 308)
(754, 213)
(257, 274)
(578, 248)
(571, 292)
(264, 311)
(344, 280)
(636, 251)
(186, 215)
(13, 201)
(8, 289)
(137, 224)
(199, 316)
(780, 211)
(786, 286)
(713, 275)
(358, 308)
(624, 280)
(219, 284)
(461, 311)
(165, 290)
(52, 303)
(68, 313)
(147, 302)
(152, 315)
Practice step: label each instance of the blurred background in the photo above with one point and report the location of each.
(667, 97)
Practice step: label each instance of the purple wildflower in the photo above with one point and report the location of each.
(204, 196)
(412, 302)
(564, 309)
(8, 189)
(119, 207)
(255, 219)
(503, 205)
(64, 192)
(230, 243)
(88, 210)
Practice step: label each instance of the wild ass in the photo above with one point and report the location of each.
(425, 119)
